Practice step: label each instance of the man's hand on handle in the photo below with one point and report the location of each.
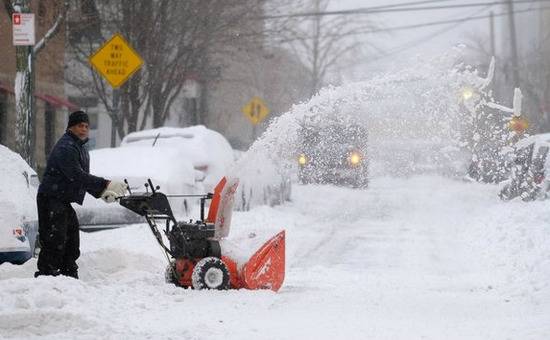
(114, 190)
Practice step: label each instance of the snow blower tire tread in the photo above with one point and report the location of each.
(210, 273)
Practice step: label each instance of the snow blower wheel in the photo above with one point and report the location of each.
(210, 273)
(170, 274)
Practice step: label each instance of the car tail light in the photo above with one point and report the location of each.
(19, 233)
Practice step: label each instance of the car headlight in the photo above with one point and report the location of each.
(302, 160)
(355, 158)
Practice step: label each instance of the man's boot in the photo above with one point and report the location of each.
(46, 273)
(70, 273)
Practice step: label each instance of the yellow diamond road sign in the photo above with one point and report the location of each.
(116, 60)
(255, 110)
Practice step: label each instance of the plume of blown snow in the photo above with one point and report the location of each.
(408, 111)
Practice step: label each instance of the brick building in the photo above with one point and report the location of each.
(51, 105)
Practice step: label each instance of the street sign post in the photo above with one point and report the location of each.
(116, 61)
(255, 110)
(23, 29)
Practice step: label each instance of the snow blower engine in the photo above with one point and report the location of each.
(194, 252)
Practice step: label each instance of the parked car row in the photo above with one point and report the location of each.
(186, 161)
(179, 160)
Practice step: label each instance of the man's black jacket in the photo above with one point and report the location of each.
(67, 176)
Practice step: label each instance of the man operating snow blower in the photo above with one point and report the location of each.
(67, 179)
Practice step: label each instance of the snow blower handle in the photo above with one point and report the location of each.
(153, 189)
(128, 185)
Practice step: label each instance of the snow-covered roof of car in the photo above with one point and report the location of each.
(164, 164)
(204, 148)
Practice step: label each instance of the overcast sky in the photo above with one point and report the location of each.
(427, 41)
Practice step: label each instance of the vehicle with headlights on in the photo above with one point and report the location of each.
(333, 154)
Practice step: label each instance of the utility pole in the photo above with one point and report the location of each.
(316, 46)
(115, 113)
(492, 33)
(513, 44)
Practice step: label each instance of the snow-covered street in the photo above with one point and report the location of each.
(423, 257)
(279, 170)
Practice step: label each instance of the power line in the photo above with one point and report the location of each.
(411, 3)
(416, 42)
(433, 23)
(443, 22)
(394, 8)
(409, 45)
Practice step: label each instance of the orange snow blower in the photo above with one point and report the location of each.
(194, 253)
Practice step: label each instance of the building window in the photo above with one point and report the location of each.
(93, 120)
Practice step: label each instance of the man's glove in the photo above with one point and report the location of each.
(113, 191)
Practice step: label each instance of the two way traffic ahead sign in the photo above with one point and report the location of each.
(116, 61)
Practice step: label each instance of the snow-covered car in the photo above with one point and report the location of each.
(208, 151)
(168, 168)
(334, 154)
(529, 178)
(18, 215)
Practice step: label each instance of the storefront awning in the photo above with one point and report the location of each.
(52, 100)
(57, 101)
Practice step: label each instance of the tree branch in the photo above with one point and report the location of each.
(53, 30)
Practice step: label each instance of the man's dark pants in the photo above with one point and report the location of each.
(59, 237)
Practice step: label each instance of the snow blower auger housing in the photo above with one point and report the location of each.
(194, 253)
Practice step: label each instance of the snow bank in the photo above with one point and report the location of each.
(409, 258)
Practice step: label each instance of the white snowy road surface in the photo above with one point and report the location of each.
(410, 258)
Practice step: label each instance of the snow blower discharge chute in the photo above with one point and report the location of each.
(194, 253)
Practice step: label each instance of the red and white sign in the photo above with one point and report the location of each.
(23, 29)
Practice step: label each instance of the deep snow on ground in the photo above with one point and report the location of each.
(410, 258)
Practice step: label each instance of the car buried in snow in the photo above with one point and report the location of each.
(18, 214)
(167, 167)
(208, 151)
(333, 154)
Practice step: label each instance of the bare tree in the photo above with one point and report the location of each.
(534, 74)
(176, 39)
(324, 41)
(25, 77)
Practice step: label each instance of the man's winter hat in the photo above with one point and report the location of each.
(78, 117)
